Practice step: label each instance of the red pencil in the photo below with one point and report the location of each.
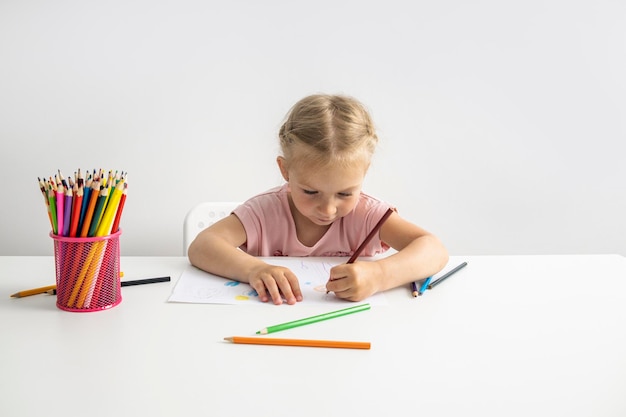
(77, 204)
(369, 237)
(120, 207)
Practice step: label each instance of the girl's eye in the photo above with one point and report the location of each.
(310, 192)
(345, 195)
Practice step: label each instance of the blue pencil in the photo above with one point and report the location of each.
(83, 208)
(424, 286)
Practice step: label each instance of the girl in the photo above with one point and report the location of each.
(327, 143)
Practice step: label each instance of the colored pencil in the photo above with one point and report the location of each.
(369, 237)
(144, 281)
(298, 342)
(446, 275)
(424, 286)
(97, 213)
(67, 216)
(53, 209)
(91, 280)
(33, 291)
(118, 215)
(86, 270)
(52, 289)
(44, 193)
(414, 289)
(83, 209)
(104, 228)
(314, 319)
(93, 199)
(60, 199)
(76, 209)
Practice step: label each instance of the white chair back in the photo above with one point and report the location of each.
(202, 216)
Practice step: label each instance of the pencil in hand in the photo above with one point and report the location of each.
(369, 237)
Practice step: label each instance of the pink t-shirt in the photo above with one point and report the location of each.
(271, 230)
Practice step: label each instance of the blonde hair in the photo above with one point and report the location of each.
(333, 129)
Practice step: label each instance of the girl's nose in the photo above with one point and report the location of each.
(327, 208)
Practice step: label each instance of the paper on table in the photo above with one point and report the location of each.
(197, 286)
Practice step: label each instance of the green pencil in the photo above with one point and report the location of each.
(99, 209)
(314, 319)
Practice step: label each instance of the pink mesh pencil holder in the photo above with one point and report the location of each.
(87, 272)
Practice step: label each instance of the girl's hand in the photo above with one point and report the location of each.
(275, 282)
(356, 281)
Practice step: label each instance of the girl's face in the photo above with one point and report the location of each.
(323, 195)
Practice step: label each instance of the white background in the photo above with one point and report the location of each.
(502, 123)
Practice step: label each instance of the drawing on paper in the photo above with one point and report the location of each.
(197, 286)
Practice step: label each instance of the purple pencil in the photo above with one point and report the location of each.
(60, 208)
(67, 216)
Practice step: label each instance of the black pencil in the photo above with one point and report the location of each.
(144, 281)
(446, 275)
(130, 283)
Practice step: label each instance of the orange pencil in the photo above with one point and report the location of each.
(93, 198)
(298, 342)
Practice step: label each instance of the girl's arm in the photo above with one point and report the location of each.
(419, 255)
(216, 250)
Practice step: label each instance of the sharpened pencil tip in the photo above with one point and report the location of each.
(228, 339)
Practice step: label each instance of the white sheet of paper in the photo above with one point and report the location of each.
(197, 286)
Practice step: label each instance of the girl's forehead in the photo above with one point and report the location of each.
(340, 176)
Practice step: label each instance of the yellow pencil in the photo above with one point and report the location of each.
(104, 227)
(98, 248)
(81, 277)
(40, 290)
(51, 289)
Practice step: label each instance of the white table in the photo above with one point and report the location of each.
(505, 336)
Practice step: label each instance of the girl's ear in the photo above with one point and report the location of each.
(282, 165)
